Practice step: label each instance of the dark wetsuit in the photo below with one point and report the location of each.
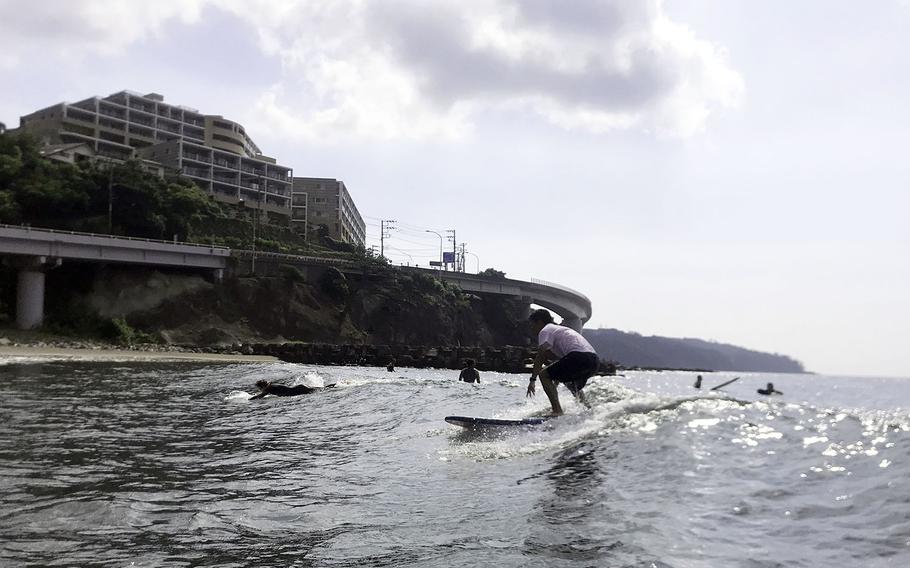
(281, 390)
(469, 376)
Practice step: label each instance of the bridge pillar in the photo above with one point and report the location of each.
(30, 290)
(573, 322)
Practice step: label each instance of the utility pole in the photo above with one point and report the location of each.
(461, 258)
(454, 249)
(256, 214)
(110, 198)
(385, 225)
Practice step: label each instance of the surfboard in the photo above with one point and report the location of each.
(474, 423)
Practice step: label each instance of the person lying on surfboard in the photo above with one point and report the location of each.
(266, 387)
(576, 361)
(769, 390)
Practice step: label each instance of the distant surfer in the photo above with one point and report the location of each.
(469, 374)
(391, 366)
(698, 382)
(266, 387)
(576, 360)
(769, 390)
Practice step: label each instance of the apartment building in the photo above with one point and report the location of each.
(214, 152)
(327, 202)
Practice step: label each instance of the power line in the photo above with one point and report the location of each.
(385, 228)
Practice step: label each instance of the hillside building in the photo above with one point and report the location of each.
(327, 202)
(214, 152)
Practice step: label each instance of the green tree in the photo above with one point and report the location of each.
(492, 273)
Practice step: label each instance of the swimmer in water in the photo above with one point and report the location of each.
(769, 390)
(266, 387)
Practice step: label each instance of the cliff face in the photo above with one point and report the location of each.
(379, 309)
(634, 350)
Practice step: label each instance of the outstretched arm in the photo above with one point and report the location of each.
(543, 355)
(260, 395)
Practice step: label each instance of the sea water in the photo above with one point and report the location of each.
(170, 464)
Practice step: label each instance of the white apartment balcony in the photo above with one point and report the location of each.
(167, 126)
(112, 112)
(80, 114)
(197, 172)
(136, 118)
(197, 157)
(141, 106)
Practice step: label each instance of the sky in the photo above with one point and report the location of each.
(729, 170)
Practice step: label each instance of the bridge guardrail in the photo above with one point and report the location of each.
(558, 286)
(30, 229)
(528, 280)
(284, 256)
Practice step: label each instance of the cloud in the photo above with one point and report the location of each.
(391, 69)
(411, 68)
(74, 29)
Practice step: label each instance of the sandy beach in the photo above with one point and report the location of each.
(106, 354)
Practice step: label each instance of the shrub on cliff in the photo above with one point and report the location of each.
(334, 284)
(291, 273)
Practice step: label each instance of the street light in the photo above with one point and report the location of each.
(477, 258)
(440, 246)
(404, 253)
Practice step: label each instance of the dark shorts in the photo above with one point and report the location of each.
(574, 370)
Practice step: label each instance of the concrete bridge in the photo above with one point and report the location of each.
(35, 251)
(574, 307)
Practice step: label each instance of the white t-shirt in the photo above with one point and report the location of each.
(562, 340)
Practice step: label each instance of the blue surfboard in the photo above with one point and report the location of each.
(473, 423)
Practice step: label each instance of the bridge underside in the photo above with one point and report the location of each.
(569, 318)
(35, 251)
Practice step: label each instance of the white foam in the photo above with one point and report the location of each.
(238, 396)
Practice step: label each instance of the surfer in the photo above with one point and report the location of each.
(391, 366)
(768, 390)
(576, 360)
(469, 374)
(698, 382)
(266, 387)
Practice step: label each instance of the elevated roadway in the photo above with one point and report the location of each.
(573, 306)
(34, 251)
